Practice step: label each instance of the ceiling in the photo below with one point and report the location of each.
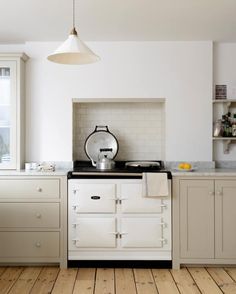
(118, 20)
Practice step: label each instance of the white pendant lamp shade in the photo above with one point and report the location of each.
(73, 51)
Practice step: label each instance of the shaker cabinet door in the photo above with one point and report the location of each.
(8, 105)
(197, 218)
(225, 219)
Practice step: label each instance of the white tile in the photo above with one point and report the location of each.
(139, 128)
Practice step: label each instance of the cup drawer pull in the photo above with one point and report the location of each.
(95, 197)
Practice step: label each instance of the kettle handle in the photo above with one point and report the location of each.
(93, 162)
(106, 149)
(101, 127)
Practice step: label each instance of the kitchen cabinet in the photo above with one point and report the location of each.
(204, 221)
(12, 107)
(109, 219)
(197, 219)
(225, 219)
(33, 219)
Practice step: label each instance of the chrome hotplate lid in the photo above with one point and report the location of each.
(144, 164)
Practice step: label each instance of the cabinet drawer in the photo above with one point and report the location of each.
(29, 244)
(29, 188)
(95, 198)
(29, 215)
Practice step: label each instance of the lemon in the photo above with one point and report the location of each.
(187, 166)
(181, 165)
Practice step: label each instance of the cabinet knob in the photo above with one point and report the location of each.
(219, 193)
(38, 215)
(211, 193)
(39, 189)
(38, 244)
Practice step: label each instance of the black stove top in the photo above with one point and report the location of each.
(84, 169)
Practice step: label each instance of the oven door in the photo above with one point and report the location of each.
(95, 198)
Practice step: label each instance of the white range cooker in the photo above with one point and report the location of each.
(109, 220)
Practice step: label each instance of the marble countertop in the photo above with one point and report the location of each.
(221, 172)
(57, 172)
(198, 172)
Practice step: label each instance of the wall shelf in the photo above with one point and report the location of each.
(227, 141)
(226, 105)
(225, 102)
(224, 138)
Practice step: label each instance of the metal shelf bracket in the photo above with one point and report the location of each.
(226, 146)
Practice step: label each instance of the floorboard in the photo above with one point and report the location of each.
(124, 281)
(185, 282)
(65, 281)
(26, 280)
(105, 281)
(223, 280)
(144, 281)
(192, 280)
(2, 270)
(164, 281)
(45, 281)
(9, 278)
(204, 281)
(85, 281)
(232, 272)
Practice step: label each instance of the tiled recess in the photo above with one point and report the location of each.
(139, 128)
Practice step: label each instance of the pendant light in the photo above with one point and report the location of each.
(73, 50)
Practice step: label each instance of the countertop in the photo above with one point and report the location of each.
(59, 172)
(198, 172)
(201, 172)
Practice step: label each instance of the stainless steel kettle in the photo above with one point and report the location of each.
(104, 163)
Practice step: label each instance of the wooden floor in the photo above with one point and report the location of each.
(38, 280)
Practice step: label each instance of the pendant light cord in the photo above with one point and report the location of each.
(73, 31)
(73, 15)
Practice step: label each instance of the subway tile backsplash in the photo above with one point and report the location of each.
(138, 126)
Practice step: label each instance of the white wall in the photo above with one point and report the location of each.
(181, 72)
